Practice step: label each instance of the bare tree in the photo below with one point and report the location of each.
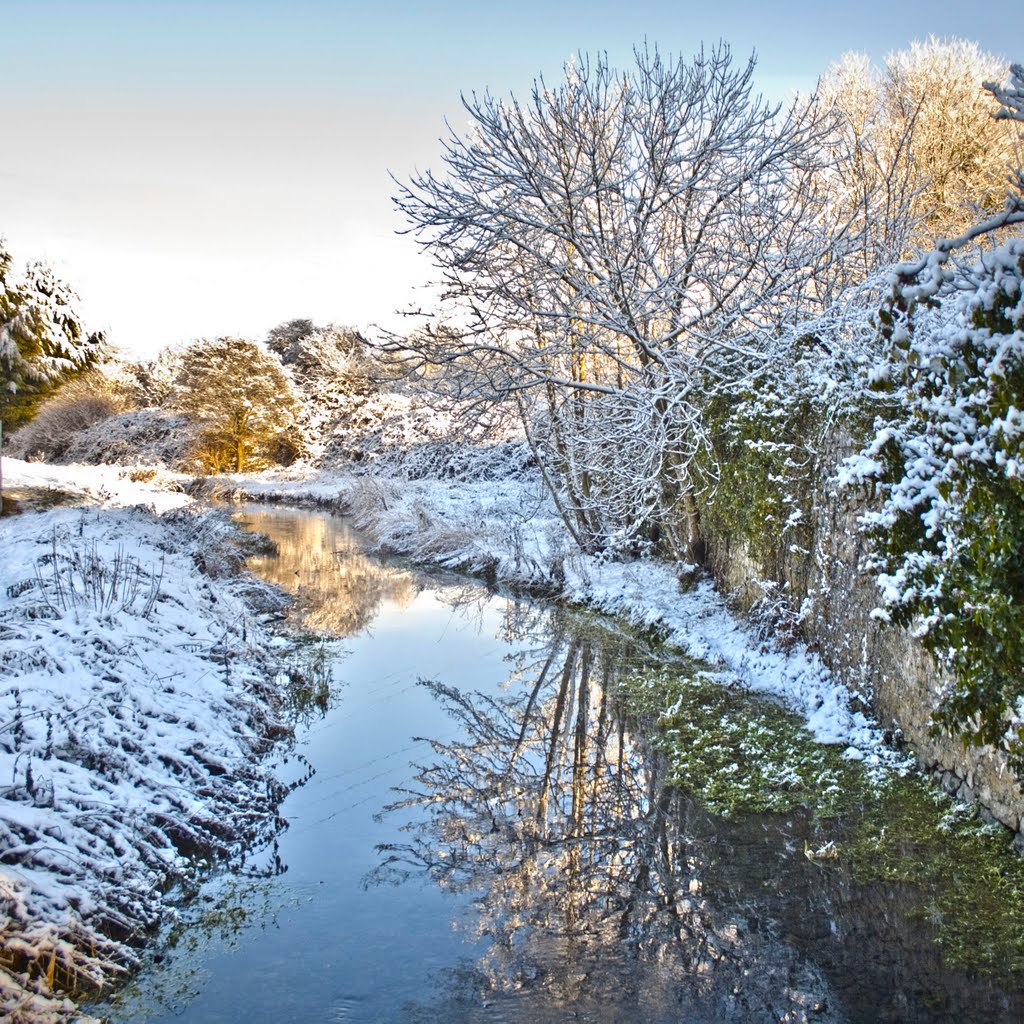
(1010, 97)
(606, 246)
(918, 150)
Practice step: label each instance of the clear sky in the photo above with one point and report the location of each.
(205, 168)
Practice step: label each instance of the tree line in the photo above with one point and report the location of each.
(232, 404)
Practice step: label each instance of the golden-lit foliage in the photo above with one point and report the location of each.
(918, 150)
(242, 399)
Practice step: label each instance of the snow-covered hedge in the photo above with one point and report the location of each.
(144, 436)
(947, 457)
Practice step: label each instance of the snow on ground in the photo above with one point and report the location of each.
(108, 485)
(509, 530)
(136, 705)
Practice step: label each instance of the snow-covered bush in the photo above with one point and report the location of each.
(145, 436)
(334, 371)
(948, 457)
(451, 460)
(412, 433)
(365, 426)
(79, 405)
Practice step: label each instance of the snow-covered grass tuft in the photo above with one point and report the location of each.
(70, 577)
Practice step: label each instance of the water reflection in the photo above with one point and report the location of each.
(221, 917)
(606, 893)
(336, 588)
(585, 886)
(552, 813)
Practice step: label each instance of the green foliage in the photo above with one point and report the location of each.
(42, 341)
(243, 400)
(738, 754)
(735, 752)
(968, 876)
(764, 433)
(949, 542)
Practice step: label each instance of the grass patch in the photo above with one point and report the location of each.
(969, 877)
(737, 752)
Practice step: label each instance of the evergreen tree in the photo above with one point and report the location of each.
(42, 341)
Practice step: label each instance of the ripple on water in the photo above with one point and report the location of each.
(345, 1009)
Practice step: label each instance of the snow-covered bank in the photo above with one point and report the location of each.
(138, 702)
(508, 530)
(108, 485)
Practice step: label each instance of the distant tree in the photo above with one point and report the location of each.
(42, 341)
(242, 398)
(1010, 96)
(289, 334)
(323, 355)
(919, 152)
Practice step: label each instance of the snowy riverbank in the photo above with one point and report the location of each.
(509, 531)
(137, 708)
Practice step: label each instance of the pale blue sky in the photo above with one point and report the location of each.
(199, 168)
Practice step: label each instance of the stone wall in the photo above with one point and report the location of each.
(884, 665)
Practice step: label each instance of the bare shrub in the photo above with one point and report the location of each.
(76, 407)
(776, 622)
(51, 433)
(369, 497)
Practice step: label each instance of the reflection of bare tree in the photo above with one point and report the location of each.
(554, 815)
(602, 893)
(337, 588)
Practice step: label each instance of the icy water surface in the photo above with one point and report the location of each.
(487, 838)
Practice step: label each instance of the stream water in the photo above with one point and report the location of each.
(488, 837)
